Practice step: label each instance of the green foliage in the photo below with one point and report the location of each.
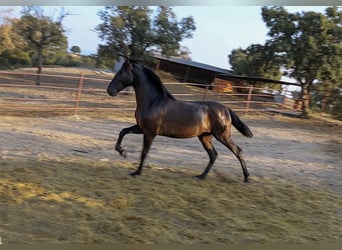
(12, 53)
(131, 30)
(41, 33)
(14, 59)
(105, 56)
(168, 32)
(308, 42)
(306, 46)
(257, 60)
(337, 108)
(126, 29)
(34, 39)
(75, 49)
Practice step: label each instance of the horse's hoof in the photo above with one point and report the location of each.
(134, 173)
(200, 177)
(123, 153)
(246, 180)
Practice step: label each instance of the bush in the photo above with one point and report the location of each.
(337, 109)
(15, 59)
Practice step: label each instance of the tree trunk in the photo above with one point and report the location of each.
(306, 96)
(40, 63)
(324, 103)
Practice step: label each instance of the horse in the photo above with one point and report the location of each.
(158, 112)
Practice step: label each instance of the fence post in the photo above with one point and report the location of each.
(78, 94)
(205, 93)
(249, 98)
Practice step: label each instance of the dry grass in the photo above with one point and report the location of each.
(97, 202)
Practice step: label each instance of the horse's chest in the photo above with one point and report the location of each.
(149, 122)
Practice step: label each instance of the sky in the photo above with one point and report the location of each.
(219, 29)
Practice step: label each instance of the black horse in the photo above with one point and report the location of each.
(159, 113)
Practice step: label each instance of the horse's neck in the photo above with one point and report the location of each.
(145, 93)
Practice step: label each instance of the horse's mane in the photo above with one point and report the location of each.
(156, 80)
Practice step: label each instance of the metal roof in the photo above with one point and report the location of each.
(225, 73)
(194, 64)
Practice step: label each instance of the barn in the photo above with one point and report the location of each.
(194, 72)
(222, 80)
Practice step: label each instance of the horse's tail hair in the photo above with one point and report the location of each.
(239, 125)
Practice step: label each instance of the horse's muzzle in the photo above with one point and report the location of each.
(111, 92)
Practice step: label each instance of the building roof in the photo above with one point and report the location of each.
(194, 64)
(224, 73)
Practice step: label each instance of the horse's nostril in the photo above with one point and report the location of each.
(109, 92)
(112, 92)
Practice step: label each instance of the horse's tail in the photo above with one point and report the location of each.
(239, 125)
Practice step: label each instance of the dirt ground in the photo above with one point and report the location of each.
(282, 148)
(285, 153)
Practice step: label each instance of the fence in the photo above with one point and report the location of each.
(70, 94)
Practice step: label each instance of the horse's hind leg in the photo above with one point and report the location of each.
(237, 151)
(207, 143)
(135, 129)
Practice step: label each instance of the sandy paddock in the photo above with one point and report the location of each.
(67, 165)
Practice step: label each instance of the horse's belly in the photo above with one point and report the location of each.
(183, 133)
(176, 119)
(184, 128)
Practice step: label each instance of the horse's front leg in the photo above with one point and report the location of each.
(135, 129)
(147, 144)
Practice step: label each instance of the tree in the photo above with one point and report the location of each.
(257, 60)
(126, 29)
(75, 49)
(6, 33)
(131, 30)
(309, 44)
(41, 33)
(105, 56)
(11, 44)
(169, 32)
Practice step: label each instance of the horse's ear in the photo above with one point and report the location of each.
(125, 56)
(127, 64)
(130, 65)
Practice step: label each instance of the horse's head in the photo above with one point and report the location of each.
(122, 79)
